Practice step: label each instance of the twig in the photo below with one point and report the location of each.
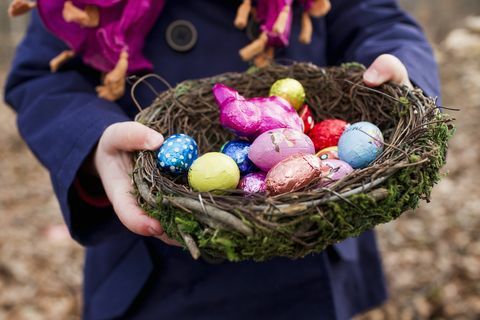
(191, 245)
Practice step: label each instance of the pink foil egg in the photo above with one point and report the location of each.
(252, 117)
(253, 183)
(276, 145)
(293, 173)
(337, 169)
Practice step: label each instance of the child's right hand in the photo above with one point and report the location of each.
(112, 161)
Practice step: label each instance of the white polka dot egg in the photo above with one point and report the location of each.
(177, 154)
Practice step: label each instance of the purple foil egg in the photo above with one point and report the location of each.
(276, 145)
(338, 169)
(253, 183)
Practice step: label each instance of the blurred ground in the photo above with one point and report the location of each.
(40, 266)
(431, 256)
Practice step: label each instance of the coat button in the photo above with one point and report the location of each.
(181, 35)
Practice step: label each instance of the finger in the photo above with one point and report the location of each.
(118, 189)
(386, 68)
(131, 136)
(168, 241)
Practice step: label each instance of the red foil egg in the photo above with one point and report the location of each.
(307, 118)
(327, 133)
(253, 183)
(294, 173)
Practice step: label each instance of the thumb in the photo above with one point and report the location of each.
(386, 68)
(131, 136)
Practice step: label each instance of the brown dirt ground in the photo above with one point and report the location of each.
(431, 256)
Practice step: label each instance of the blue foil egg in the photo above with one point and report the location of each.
(360, 144)
(238, 151)
(177, 154)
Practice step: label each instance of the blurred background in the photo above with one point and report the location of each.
(431, 256)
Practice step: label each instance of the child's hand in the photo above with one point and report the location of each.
(113, 164)
(386, 68)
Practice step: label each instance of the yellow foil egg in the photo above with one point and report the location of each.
(213, 171)
(291, 90)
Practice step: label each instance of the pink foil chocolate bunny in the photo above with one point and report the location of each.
(107, 34)
(251, 117)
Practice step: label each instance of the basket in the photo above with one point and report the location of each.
(239, 227)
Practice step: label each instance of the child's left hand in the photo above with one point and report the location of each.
(386, 68)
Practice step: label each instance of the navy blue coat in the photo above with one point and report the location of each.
(128, 276)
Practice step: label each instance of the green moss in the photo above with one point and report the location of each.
(183, 88)
(252, 69)
(404, 101)
(353, 65)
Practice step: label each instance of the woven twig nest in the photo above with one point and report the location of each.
(239, 227)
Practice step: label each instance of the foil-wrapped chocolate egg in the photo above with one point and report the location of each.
(326, 133)
(213, 171)
(360, 144)
(289, 89)
(307, 118)
(337, 169)
(238, 151)
(328, 153)
(177, 154)
(276, 145)
(253, 183)
(293, 174)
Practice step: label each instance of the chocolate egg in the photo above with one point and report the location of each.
(276, 145)
(213, 171)
(337, 169)
(238, 151)
(360, 144)
(307, 118)
(293, 174)
(253, 183)
(327, 133)
(177, 154)
(328, 153)
(289, 89)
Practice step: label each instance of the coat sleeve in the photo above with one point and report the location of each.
(61, 119)
(361, 30)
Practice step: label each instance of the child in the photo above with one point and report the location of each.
(85, 141)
